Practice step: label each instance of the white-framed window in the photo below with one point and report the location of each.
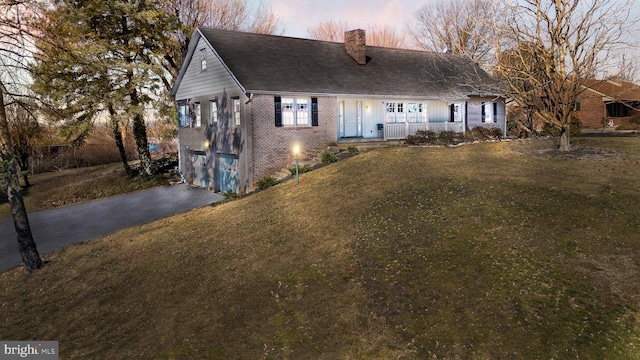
(295, 111)
(391, 112)
(236, 110)
(183, 114)
(456, 112)
(422, 110)
(489, 110)
(413, 114)
(197, 113)
(213, 111)
(396, 112)
(203, 59)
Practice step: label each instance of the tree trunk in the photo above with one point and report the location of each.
(28, 250)
(25, 179)
(565, 140)
(23, 163)
(117, 134)
(140, 134)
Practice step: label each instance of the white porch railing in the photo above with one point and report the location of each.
(397, 131)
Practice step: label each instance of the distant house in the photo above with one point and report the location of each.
(244, 100)
(608, 103)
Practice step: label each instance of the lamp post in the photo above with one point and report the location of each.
(296, 151)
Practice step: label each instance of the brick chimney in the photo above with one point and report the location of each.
(355, 45)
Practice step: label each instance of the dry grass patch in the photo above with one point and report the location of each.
(476, 252)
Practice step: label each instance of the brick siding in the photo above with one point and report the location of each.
(272, 146)
(591, 110)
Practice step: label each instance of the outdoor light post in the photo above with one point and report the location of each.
(296, 151)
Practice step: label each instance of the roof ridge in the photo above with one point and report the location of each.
(424, 51)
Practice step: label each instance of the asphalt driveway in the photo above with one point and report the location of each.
(56, 228)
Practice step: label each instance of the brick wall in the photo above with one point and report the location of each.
(591, 110)
(272, 146)
(355, 45)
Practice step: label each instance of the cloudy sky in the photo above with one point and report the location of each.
(298, 15)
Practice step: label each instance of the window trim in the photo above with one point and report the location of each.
(197, 111)
(183, 114)
(488, 116)
(236, 110)
(203, 59)
(213, 115)
(310, 114)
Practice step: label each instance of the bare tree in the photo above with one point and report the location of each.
(13, 44)
(237, 15)
(463, 27)
(377, 35)
(551, 47)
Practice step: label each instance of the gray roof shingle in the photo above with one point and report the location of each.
(268, 63)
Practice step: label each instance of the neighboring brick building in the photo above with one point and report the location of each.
(608, 103)
(244, 100)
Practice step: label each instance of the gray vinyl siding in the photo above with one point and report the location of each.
(215, 80)
(474, 113)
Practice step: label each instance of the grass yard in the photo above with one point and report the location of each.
(72, 186)
(487, 251)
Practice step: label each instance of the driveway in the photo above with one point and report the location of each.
(56, 228)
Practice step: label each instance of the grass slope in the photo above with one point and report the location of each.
(486, 251)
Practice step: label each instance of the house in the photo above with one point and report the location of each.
(606, 103)
(244, 100)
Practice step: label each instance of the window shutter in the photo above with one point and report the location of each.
(495, 112)
(314, 111)
(484, 111)
(277, 102)
(452, 111)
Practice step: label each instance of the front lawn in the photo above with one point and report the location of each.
(503, 250)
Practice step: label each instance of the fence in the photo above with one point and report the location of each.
(397, 131)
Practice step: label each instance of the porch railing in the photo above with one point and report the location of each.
(397, 131)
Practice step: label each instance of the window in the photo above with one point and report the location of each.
(577, 106)
(620, 109)
(488, 111)
(183, 114)
(412, 113)
(213, 110)
(391, 112)
(236, 110)
(198, 115)
(457, 112)
(295, 112)
(422, 109)
(203, 59)
(398, 112)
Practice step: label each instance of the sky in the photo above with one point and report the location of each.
(299, 15)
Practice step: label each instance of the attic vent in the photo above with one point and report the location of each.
(355, 45)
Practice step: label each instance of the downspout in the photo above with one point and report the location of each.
(247, 142)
